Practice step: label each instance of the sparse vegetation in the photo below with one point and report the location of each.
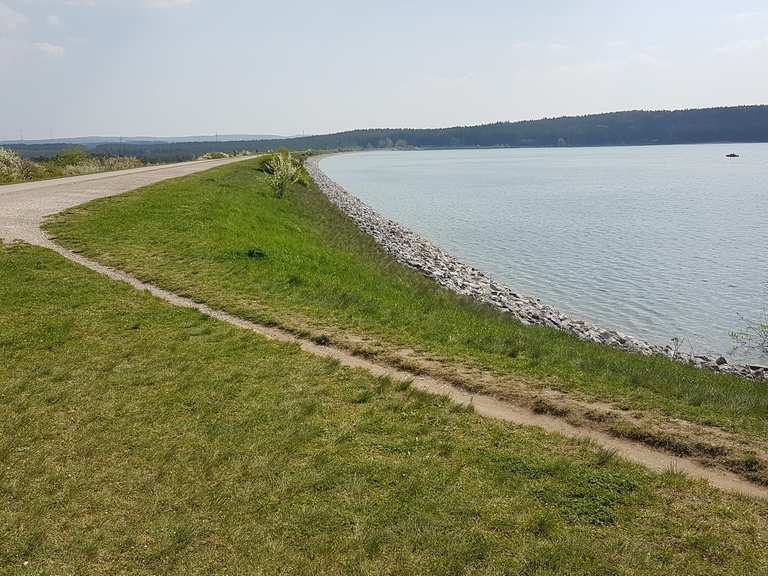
(70, 162)
(138, 438)
(754, 335)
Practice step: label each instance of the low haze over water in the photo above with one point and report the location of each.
(656, 241)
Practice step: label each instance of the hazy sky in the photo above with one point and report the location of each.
(176, 67)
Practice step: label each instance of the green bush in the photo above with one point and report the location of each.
(287, 162)
(70, 157)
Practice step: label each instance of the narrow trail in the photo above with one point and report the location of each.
(48, 199)
(484, 405)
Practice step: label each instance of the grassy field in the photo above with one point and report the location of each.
(222, 237)
(138, 438)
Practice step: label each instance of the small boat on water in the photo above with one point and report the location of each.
(731, 155)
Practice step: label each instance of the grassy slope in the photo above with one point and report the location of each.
(194, 235)
(144, 439)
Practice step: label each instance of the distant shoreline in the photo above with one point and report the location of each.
(576, 147)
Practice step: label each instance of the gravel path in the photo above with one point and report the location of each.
(23, 208)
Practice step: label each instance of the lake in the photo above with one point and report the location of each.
(655, 241)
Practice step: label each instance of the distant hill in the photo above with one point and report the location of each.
(90, 141)
(732, 124)
(638, 127)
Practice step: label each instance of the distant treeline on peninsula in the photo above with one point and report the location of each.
(698, 126)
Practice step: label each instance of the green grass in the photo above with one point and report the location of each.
(222, 237)
(138, 438)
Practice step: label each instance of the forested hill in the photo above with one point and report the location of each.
(735, 124)
(732, 124)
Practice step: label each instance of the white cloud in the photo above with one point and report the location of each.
(167, 3)
(50, 50)
(54, 21)
(636, 60)
(744, 47)
(557, 47)
(742, 17)
(10, 20)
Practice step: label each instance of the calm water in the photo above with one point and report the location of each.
(659, 242)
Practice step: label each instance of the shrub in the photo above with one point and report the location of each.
(121, 162)
(71, 157)
(13, 168)
(283, 170)
(72, 162)
(94, 164)
(213, 156)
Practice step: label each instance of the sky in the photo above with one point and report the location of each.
(197, 67)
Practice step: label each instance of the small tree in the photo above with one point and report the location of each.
(283, 171)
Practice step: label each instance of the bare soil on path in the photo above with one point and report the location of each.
(23, 208)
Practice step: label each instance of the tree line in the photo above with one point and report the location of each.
(639, 127)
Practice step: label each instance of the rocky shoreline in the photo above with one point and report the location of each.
(410, 249)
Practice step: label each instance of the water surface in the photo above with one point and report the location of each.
(656, 241)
